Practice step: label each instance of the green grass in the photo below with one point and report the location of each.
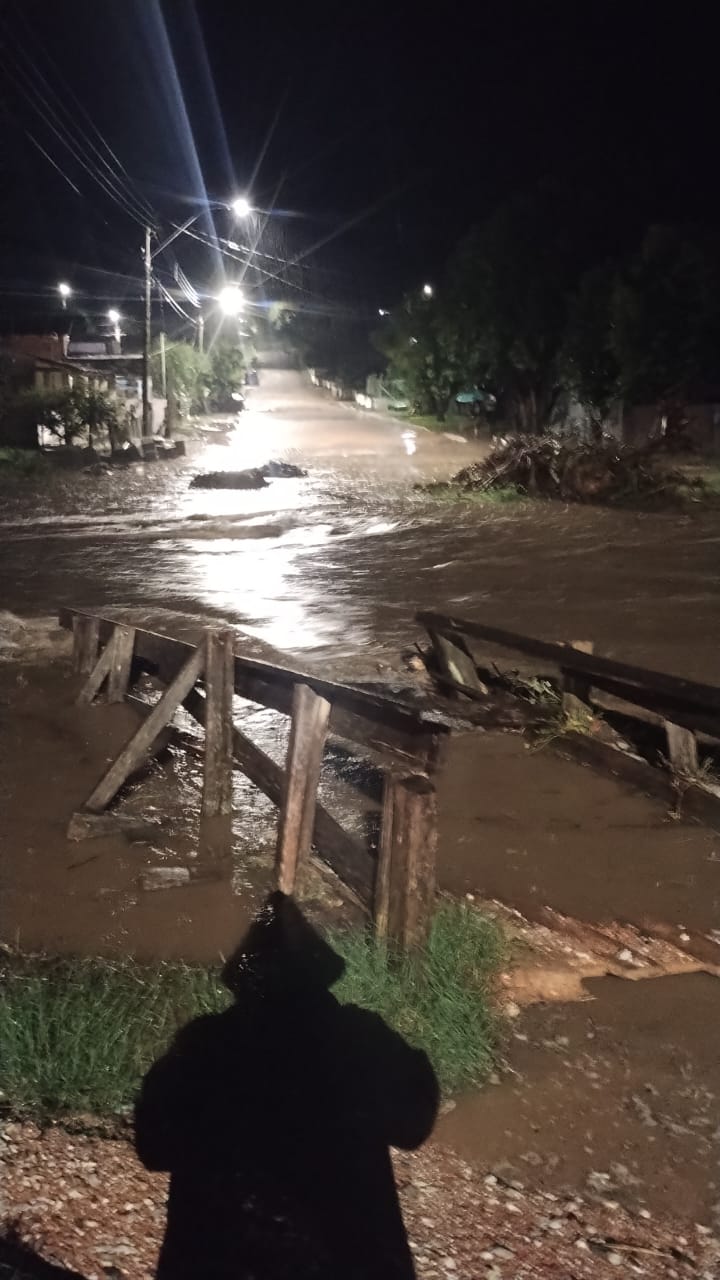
(441, 1001)
(21, 462)
(78, 1035)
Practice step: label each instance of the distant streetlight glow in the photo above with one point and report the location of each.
(231, 300)
(383, 312)
(427, 291)
(113, 316)
(65, 292)
(241, 207)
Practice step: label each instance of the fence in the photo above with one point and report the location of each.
(396, 881)
(682, 708)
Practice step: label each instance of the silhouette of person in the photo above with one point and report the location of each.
(274, 1119)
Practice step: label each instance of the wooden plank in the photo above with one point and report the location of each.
(405, 885)
(380, 723)
(690, 692)
(661, 706)
(144, 738)
(456, 663)
(576, 688)
(122, 645)
(682, 749)
(103, 826)
(97, 676)
(219, 686)
(308, 730)
(86, 640)
(344, 853)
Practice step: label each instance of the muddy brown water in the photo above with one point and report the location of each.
(333, 567)
(617, 1096)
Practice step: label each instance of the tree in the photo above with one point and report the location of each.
(666, 317)
(71, 414)
(226, 371)
(512, 278)
(588, 360)
(431, 351)
(186, 372)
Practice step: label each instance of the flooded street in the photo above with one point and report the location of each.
(333, 567)
(328, 571)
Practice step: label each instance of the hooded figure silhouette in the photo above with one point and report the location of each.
(274, 1119)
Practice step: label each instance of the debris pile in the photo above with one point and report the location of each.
(574, 470)
(250, 478)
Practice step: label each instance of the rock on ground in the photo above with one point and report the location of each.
(87, 1203)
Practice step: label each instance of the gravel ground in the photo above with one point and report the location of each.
(86, 1202)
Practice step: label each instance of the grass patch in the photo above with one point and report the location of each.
(22, 462)
(78, 1035)
(442, 1001)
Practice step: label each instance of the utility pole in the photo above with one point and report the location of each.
(163, 365)
(201, 333)
(146, 406)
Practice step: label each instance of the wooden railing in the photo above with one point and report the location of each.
(684, 707)
(396, 881)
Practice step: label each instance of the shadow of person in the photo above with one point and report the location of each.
(20, 1262)
(274, 1119)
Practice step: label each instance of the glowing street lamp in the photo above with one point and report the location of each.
(114, 317)
(231, 300)
(65, 292)
(241, 207)
(427, 291)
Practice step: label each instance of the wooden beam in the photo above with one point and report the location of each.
(218, 766)
(457, 664)
(380, 723)
(682, 749)
(308, 730)
(86, 639)
(690, 693)
(122, 645)
(405, 882)
(344, 853)
(103, 826)
(576, 688)
(144, 738)
(97, 676)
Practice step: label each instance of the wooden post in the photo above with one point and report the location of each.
(97, 676)
(308, 730)
(219, 686)
(456, 662)
(142, 741)
(121, 646)
(682, 748)
(86, 639)
(405, 877)
(215, 840)
(576, 688)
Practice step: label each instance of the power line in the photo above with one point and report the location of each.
(27, 88)
(124, 184)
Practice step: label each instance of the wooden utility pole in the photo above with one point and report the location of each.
(163, 366)
(146, 406)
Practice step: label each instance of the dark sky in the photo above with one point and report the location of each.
(377, 136)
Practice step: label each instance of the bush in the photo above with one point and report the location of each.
(21, 462)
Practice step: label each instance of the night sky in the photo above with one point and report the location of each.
(376, 136)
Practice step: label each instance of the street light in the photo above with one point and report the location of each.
(114, 318)
(231, 300)
(65, 292)
(241, 207)
(427, 291)
(383, 312)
